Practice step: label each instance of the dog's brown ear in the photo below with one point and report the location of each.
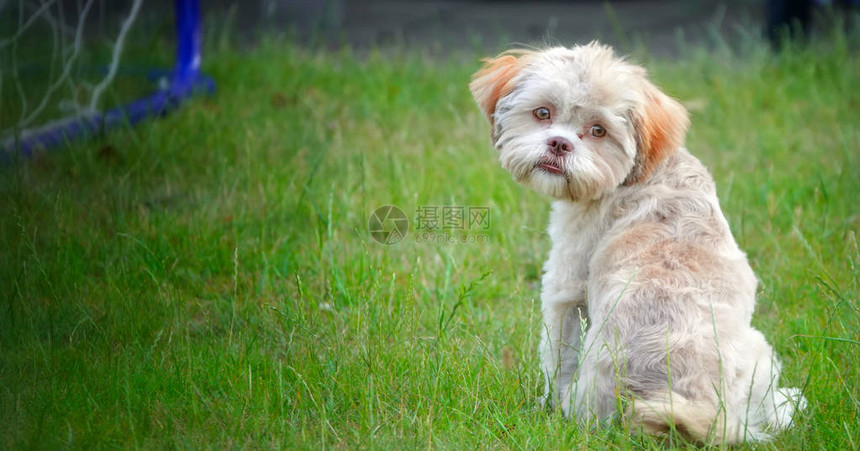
(660, 124)
(494, 80)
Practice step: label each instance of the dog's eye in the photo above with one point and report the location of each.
(597, 131)
(541, 113)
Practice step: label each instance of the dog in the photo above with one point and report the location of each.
(646, 297)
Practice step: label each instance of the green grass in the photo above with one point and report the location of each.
(208, 280)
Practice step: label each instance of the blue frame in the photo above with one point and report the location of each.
(185, 80)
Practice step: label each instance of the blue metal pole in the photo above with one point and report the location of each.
(185, 80)
(186, 72)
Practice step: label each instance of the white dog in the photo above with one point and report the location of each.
(646, 298)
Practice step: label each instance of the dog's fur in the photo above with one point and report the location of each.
(646, 298)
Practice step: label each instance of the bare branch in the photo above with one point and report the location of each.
(117, 53)
(66, 69)
(24, 27)
(18, 86)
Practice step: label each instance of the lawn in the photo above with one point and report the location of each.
(209, 280)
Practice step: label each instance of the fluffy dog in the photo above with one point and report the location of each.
(646, 297)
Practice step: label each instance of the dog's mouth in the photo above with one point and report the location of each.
(550, 165)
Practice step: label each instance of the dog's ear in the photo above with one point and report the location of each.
(660, 124)
(494, 80)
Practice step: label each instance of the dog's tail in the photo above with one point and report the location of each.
(698, 420)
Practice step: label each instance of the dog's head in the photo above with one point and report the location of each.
(576, 123)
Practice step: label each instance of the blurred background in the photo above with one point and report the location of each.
(445, 25)
(659, 26)
(56, 55)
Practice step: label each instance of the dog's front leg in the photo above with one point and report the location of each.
(560, 343)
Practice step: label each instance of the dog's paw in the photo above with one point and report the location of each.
(787, 402)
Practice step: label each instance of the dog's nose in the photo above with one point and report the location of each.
(559, 145)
